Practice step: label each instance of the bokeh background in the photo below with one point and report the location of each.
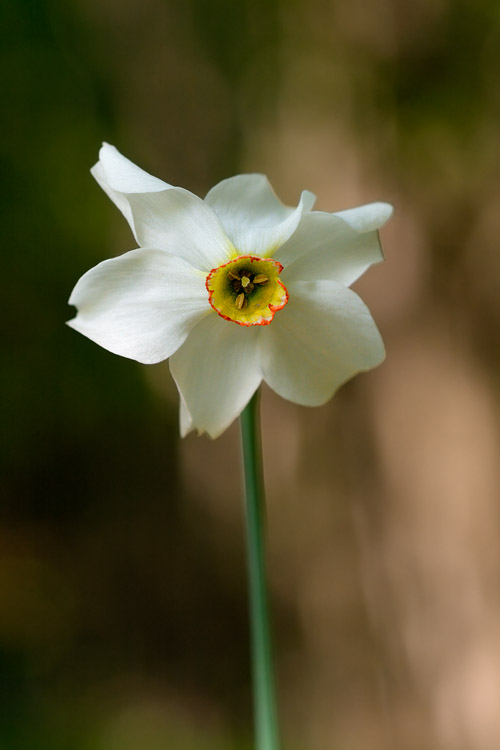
(123, 615)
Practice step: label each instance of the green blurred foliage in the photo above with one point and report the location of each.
(89, 483)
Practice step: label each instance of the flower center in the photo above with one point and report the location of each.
(247, 290)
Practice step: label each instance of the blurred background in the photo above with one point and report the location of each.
(123, 614)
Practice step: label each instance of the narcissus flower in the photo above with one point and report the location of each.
(234, 289)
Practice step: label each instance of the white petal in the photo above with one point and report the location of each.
(124, 176)
(368, 217)
(254, 218)
(327, 246)
(323, 337)
(248, 200)
(217, 372)
(119, 199)
(118, 176)
(141, 305)
(181, 223)
(162, 216)
(185, 420)
(264, 241)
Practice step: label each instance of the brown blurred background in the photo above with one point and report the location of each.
(123, 622)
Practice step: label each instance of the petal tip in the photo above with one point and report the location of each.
(307, 199)
(367, 218)
(386, 211)
(106, 147)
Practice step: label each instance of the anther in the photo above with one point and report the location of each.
(260, 279)
(240, 301)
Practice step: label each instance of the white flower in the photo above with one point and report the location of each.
(234, 289)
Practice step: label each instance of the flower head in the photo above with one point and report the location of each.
(234, 289)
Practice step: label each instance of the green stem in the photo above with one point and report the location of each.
(266, 726)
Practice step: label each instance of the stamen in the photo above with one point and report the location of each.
(234, 275)
(260, 279)
(240, 301)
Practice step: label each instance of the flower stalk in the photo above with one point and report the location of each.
(265, 715)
